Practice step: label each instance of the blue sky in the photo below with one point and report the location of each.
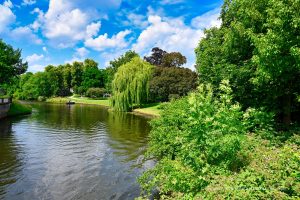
(61, 31)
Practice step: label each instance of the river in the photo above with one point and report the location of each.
(72, 152)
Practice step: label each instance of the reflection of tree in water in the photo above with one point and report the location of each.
(9, 156)
(74, 117)
(128, 134)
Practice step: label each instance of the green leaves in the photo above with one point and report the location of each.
(257, 49)
(194, 136)
(11, 64)
(131, 84)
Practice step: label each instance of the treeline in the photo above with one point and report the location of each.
(237, 136)
(156, 78)
(62, 80)
(167, 79)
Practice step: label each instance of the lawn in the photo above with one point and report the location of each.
(149, 109)
(80, 100)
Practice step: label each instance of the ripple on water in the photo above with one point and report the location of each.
(81, 152)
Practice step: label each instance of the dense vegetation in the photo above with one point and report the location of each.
(170, 80)
(131, 84)
(11, 63)
(257, 49)
(237, 136)
(58, 81)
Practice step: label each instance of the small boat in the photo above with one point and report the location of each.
(70, 102)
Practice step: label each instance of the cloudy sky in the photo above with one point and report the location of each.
(61, 31)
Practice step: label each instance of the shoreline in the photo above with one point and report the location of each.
(148, 112)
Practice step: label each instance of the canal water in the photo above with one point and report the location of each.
(72, 152)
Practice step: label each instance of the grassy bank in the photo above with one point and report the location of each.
(148, 109)
(80, 100)
(17, 108)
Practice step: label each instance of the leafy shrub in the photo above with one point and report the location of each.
(194, 138)
(203, 151)
(273, 173)
(95, 92)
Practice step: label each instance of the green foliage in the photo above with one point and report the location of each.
(162, 58)
(92, 77)
(173, 59)
(114, 66)
(17, 108)
(168, 82)
(255, 54)
(273, 173)
(11, 64)
(95, 92)
(195, 137)
(204, 151)
(131, 84)
(58, 81)
(156, 58)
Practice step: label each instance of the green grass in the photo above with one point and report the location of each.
(17, 108)
(149, 109)
(86, 100)
(80, 100)
(58, 100)
(152, 109)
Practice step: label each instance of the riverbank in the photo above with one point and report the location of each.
(17, 108)
(149, 110)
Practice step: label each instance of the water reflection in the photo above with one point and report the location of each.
(9, 156)
(76, 152)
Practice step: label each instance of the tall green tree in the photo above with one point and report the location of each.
(11, 63)
(156, 57)
(173, 59)
(114, 66)
(131, 84)
(257, 49)
(171, 82)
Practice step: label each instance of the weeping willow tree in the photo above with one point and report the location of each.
(131, 84)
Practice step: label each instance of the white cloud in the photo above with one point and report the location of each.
(81, 52)
(170, 35)
(108, 56)
(136, 20)
(24, 33)
(67, 28)
(38, 22)
(68, 22)
(28, 2)
(174, 35)
(102, 42)
(45, 49)
(171, 2)
(79, 55)
(36, 68)
(8, 4)
(34, 62)
(7, 17)
(34, 58)
(207, 20)
(93, 29)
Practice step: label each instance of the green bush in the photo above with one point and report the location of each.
(205, 150)
(95, 92)
(17, 108)
(195, 137)
(273, 173)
